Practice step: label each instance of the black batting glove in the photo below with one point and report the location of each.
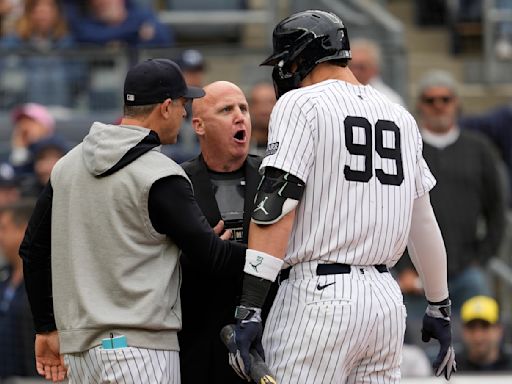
(436, 325)
(248, 333)
(248, 329)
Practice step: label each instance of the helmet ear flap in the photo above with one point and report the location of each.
(284, 80)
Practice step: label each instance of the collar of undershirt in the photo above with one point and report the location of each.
(441, 141)
(233, 175)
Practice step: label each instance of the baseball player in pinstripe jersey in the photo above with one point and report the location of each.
(344, 190)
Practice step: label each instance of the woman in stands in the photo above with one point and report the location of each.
(41, 32)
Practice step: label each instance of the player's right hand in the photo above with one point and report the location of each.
(436, 325)
(248, 333)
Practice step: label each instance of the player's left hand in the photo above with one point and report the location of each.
(248, 332)
(436, 325)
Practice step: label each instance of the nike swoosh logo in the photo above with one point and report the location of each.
(320, 287)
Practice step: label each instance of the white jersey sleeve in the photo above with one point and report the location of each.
(292, 136)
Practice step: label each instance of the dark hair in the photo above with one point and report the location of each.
(138, 110)
(24, 27)
(339, 62)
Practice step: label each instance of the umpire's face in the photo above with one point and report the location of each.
(222, 121)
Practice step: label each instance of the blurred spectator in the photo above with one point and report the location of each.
(116, 22)
(9, 193)
(482, 337)
(10, 11)
(41, 27)
(32, 122)
(193, 67)
(41, 31)
(468, 199)
(16, 325)
(365, 64)
(9, 185)
(495, 124)
(469, 188)
(262, 99)
(45, 153)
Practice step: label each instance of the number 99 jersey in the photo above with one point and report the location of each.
(361, 159)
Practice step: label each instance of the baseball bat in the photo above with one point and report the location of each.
(260, 373)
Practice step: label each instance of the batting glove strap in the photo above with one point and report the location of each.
(248, 314)
(439, 311)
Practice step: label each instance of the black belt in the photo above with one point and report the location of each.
(330, 269)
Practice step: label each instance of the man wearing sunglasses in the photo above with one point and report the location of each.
(470, 188)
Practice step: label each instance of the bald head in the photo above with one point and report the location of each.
(222, 123)
(213, 92)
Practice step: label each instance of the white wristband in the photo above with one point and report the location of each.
(261, 264)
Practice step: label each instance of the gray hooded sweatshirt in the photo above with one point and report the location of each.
(112, 272)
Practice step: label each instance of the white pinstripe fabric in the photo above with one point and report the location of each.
(340, 220)
(129, 365)
(349, 332)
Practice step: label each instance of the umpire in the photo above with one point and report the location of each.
(224, 178)
(108, 231)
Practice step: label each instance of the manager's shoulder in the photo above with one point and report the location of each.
(157, 162)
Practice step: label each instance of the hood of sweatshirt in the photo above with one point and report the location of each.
(108, 148)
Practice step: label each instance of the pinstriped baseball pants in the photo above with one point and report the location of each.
(334, 329)
(128, 365)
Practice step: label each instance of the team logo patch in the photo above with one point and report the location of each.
(261, 206)
(272, 148)
(259, 260)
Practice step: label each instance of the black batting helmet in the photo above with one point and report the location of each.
(306, 38)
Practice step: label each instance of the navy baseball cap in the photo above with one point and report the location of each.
(191, 60)
(154, 80)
